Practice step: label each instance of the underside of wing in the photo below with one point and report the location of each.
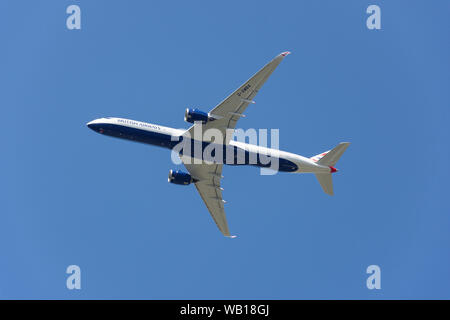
(230, 110)
(223, 118)
(207, 177)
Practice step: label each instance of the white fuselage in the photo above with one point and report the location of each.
(168, 137)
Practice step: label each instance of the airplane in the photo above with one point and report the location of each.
(206, 175)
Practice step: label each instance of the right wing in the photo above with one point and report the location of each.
(207, 177)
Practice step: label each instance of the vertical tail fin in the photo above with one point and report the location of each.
(329, 159)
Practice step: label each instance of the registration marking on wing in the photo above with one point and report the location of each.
(244, 89)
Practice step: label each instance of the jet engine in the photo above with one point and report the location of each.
(192, 115)
(180, 177)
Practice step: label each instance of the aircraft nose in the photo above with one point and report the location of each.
(90, 124)
(95, 125)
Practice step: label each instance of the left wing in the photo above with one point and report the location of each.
(207, 177)
(230, 110)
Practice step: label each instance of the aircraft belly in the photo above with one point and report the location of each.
(234, 156)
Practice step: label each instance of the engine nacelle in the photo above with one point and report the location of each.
(192, 115)
(180, 177)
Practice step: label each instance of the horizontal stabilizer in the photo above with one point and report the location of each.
(332, 156)
(326, 182)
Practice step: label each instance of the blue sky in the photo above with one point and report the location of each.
(71, 196)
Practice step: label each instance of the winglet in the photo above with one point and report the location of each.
(284, 54)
